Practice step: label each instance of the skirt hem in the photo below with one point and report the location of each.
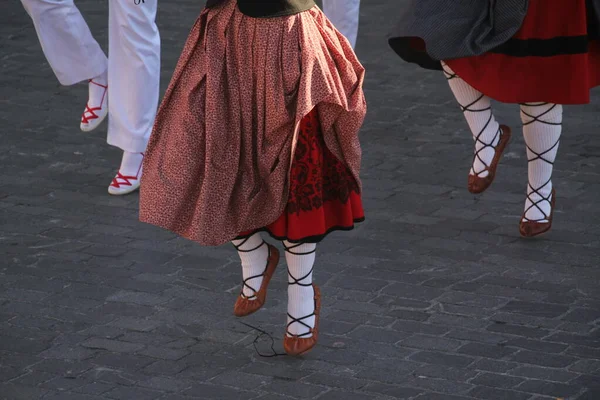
(308, 239)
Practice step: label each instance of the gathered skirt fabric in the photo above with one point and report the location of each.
(219, 160)
(324, 197)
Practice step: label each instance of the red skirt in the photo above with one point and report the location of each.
(324, 196)
(554, 57)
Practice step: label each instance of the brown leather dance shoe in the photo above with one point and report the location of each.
(296, 345)
(478, 184)
(246, 305)
(530, 228)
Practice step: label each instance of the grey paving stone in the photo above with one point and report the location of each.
(141, 298)
(8, 373)
(451, 360)
(441, 385)
(343, 395)
(11, 391)
(341, 382)
(518, 330)
(589, 395)
(584, 352)
(64, 384)
(543, 373)
(535, 345)
(377, 334)
(96, 388)
(584, 315)
(575, 339)
(586, 366)
(135, 324)
(70, 396)
(397, 392)
(409, 315)
(214, 392)
(445, 372)
(165, 367)
(588, 381)
(549, 388)
(162, 383)
(457, 321)
(476, 336)
(491, 393)
(112, 345)
(497, 380)
(430, 342)
(535, 309)
(418, 327)
(543, 359)
(120, 360)
(164, 353)
(67, 352)
(440, 396)
(486, 350)
(126, 393)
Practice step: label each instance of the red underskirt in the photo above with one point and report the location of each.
(324, 196)
(560, 78)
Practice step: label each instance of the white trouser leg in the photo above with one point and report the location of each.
(66, 40)
(133, 73)
(344, 15)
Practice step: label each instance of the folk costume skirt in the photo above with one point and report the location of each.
(260, 115)
(546, 60)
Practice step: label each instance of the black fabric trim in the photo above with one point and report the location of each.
(557, 46)
(271, 9)
(402, 47)
(309, 239)
(593, 19)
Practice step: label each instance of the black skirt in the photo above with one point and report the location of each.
(432, 30)
(269, 8)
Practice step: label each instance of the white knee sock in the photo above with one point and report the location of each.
(541, 130)
(300, 260)
(97, 90)
(254, 253)
(477, 109)
(131, 164)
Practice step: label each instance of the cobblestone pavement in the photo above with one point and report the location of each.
(435, 297)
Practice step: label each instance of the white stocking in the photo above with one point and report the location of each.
(477, 109)
(301, 304)
(254, 253)
(541, 129)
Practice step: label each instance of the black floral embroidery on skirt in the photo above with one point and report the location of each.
(317, 176)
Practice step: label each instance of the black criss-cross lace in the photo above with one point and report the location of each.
(451, 75)
(539, 156)
(245, 281)
(298, 281)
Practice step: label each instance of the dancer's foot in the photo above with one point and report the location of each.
(480, 180)
(304, 300)
(302, 333)
(128, 178)
(490, 137)
(539, 211)
(259, 262)
(542, 130)
(96, 108)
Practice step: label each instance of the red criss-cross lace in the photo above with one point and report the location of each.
(89, 113)
(123, 180)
